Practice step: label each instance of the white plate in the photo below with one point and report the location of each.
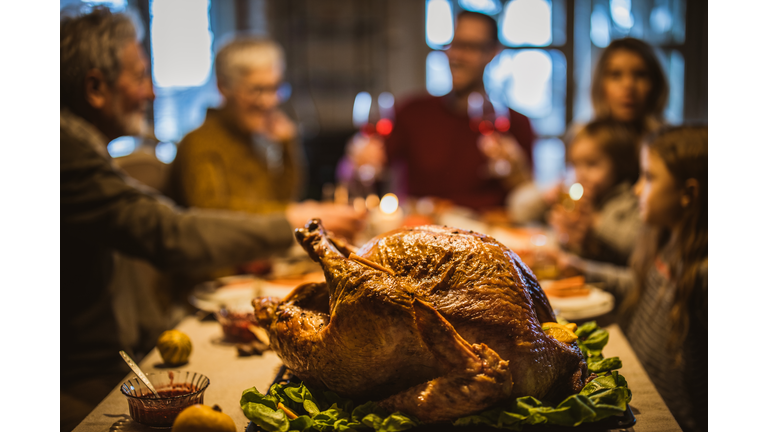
(235, 295)
(596, 303)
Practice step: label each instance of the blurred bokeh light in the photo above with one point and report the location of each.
(600, 28)
(439, 30)
(527, 22)
(181, 42)
(122, 146)
(361, 109)
(489, 7)
(439, 81)
(525, 79)
(165, 152)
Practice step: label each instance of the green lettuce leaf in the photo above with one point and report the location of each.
(397, 422)
(594, 343)
(302, 423)
(597, 364)
(262, 410)
(325, 411)
(584, 330)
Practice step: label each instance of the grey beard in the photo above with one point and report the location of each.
(134, 124)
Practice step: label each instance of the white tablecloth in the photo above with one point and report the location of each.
(230, 375)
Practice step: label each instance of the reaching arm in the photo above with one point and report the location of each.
(98, 204)
(616, 279)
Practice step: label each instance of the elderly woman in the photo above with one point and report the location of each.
(244, 156)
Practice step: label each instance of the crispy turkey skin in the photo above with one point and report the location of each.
(433, 321)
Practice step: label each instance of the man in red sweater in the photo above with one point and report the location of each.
(441, 147)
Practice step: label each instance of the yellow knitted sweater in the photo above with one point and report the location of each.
(219, 167)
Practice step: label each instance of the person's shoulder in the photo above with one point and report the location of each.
(516, 116)
(519, 124)
(80, 140)
(203, 137)
(621, 203)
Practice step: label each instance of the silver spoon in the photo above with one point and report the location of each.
(137, 370)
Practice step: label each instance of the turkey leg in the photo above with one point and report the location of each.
(477, 379)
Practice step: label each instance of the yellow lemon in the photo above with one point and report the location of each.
(174, 346)
(202, 418)
(563, 333)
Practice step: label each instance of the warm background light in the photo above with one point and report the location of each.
(371, 201)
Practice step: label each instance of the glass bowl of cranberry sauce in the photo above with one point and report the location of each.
(176, 389)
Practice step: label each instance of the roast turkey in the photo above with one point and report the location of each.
(433, 321)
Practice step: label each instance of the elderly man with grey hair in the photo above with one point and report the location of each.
(245, 155)
(105, 90)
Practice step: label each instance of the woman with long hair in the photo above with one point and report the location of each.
(629, 85)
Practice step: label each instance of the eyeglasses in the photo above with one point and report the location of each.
(470, 46)
(257, 91)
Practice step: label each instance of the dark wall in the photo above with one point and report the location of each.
(697, 45)
(336, 49)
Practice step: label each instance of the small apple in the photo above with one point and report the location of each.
(202, 418)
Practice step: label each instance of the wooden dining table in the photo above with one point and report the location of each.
(230, 374)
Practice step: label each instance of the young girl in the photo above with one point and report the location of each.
(604, 223)
(664, 295)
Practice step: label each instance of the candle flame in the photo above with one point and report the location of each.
(389, 203)
(576, 191)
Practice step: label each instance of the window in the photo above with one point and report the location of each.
(182, 60)
(490, 7)
(439, 30)
(531, 82)
(181, 42)
(530, 76)
(361, 109)
(526, 22)
(438, 74)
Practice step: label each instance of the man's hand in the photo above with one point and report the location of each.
(506, 159)
(367, 150)
(344, 221)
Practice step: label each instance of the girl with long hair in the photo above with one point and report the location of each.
(664, 294)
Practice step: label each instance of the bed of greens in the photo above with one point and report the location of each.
(295, 407)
